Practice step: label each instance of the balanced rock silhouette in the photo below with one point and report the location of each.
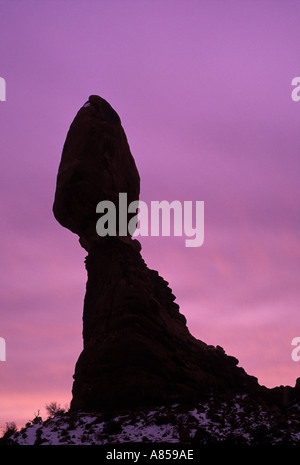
(137, 349)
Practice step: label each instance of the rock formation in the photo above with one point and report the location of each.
(96, 164)
(137, 347)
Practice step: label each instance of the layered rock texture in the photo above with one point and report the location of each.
(137, 348)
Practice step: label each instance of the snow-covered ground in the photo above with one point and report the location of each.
(237, 421)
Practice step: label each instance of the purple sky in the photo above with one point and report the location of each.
(203, 89)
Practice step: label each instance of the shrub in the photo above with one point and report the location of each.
(53, 409)
(37, 419)
(10, 429)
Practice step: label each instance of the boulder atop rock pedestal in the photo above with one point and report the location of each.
(137, 349)
(96, 165)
